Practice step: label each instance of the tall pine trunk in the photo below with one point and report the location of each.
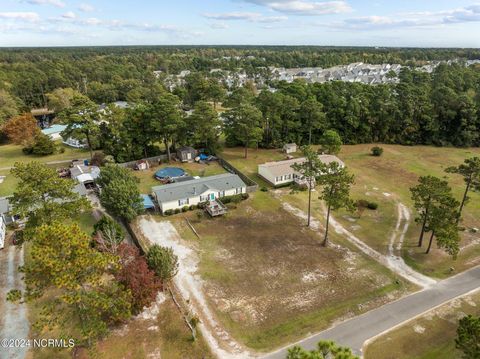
(430, 242)
(464, 199)
(309, 201)
(89, 143)
(420, 240)
(325, 240)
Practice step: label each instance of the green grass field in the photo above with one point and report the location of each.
(394, 173)
(9, 154)
(147, 179)
(431, 336)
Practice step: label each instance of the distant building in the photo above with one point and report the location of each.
(281, 172)
(54, 131)
(290, 148)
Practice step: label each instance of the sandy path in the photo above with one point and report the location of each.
(13, 319)
(394, 263)
(190, 285)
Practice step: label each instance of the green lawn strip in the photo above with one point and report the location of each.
(7, 187)
(435, 342)
(9, 154)
(147, 177)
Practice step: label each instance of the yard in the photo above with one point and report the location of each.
(387, 179)
(429, 337)
(147, 178)
(9, 154)
(268, 280)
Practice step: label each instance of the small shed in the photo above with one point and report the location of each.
(290, 148)
(186, 154)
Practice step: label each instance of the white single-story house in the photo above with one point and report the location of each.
(281, 172)
(178, 195)
(290, 148)
(54, 131)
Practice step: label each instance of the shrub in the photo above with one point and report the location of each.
(372, 205)
(192, 207)
(237, 199)
(201, 205)
(245, 196)
(185, 208)
(163, 262)
(42, 145)
(226, 200)
(264, 189)
(377, 151)
(177, 210)
(108, 234)
(168, 212)
(135, 275)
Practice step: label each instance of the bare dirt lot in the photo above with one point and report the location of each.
(269, 281)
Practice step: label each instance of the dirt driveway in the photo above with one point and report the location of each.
(13, 319)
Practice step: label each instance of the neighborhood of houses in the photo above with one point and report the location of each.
(371, 74)
(178, 190)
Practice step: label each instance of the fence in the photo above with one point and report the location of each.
(252, 186)
(154, 159)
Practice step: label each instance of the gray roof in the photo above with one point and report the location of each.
(80, 189)
(195, 187)
(4, 205)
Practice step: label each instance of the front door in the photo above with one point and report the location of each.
(212, 196)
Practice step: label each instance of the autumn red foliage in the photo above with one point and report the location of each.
(137, 277)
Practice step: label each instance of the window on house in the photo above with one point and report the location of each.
(238, 190)
(183, 202)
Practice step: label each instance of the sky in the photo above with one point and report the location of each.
(420, 23)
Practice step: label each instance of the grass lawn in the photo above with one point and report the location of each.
(7, 187)
(249, 166)
(394, 173)
(9, 154)
(270, 281)
(428, 337)
(147, 179)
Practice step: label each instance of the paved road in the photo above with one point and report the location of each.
(354, 332)
(13, 319)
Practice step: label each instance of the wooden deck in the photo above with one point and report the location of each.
(216, 208)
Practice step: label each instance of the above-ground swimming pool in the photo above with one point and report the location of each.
(169, 172)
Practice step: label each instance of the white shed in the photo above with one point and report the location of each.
(290, 148)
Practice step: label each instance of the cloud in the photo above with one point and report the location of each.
(57, 3)
(219, 25)
(86, 7)
(303, 7)
(246, 16)
(69, 15)
(410, 20)
(25, 16)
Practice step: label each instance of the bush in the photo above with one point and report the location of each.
(42, 145)
(372, 205)
(192, 207)
(168, 212)
(185, 208)
(377, 151)
(245, 196)
(177, 210)
(202, 205)
(163, 262)
(264, 189)
(135, 275)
